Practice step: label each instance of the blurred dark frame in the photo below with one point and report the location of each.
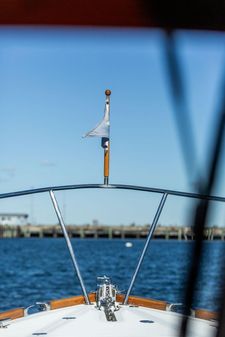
(173, 14)
(168, 15)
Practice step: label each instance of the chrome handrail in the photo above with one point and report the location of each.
(69, 245)
(147, 242)
(164, 192)
(112, 186)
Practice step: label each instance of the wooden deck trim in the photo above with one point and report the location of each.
(68, 302)
(143, 302)
(133, 300)
(12, 314)
(205, 314)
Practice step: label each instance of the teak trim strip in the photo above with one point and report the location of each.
(68, 302)
(12, 314)
(205, 314)
(133, 300)
(144, 302)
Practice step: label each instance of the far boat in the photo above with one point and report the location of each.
(106, 312)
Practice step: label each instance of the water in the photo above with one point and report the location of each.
(41, 270)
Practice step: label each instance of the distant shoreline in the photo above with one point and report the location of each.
(109, 232)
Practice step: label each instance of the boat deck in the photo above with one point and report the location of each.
(85, 320)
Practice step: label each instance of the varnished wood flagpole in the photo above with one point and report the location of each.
(106, 145)
(106, 164)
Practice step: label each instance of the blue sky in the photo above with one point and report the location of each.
(52, 92)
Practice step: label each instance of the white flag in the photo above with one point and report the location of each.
(102, 129)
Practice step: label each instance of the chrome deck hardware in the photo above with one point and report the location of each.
(38, 306)
(106, 297)
(5, 322)
(178, 308)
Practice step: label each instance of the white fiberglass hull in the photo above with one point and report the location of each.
(85, 321)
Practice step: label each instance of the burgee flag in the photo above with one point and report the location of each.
(103, 128)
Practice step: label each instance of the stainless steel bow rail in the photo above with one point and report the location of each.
(164, 192)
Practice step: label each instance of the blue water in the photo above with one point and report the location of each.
(41, 270)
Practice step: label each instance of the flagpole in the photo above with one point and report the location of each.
(106, 145)
(106, 164)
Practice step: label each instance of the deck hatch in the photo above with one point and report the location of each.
(146, 321)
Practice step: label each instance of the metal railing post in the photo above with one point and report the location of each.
(150, 234)
(69, 245)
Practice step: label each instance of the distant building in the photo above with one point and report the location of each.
(13, 219)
